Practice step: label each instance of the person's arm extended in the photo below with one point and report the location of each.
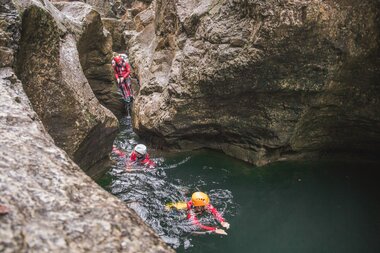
(114, 70)
(118, 151)
(129, 165)
(218, 216)
(193, 218)
(215, 212)
(149, 163)
(131, 161)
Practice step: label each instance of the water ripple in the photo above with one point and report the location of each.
(146, 191)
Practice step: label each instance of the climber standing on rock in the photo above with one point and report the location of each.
(122, 70)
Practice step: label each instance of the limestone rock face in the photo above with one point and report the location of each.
(114, 8)
(95, 53)
(9, 33)
(49, 68)
(52, 205)
(103, 7)
(116, 27)
(48, 204)
(260, 80)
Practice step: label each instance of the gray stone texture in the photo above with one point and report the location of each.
(52, 205)
(47, 203)
(260, 80)
(48, 66)
(114, 8)
(95, 53)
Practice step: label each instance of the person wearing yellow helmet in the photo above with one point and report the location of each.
(199, 203)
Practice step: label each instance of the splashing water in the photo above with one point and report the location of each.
(288, 207)
(147, 191)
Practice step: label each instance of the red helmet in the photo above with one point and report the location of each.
(118, 59)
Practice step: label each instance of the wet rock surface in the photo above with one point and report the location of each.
(261, 81)
(47, 203)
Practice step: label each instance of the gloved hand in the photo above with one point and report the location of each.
(225, 224)
(220, 231)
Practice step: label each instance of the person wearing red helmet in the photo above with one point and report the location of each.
(122, 70)
(199, 203)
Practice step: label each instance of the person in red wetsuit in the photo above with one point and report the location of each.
(139, 156)
(199, 203)
(122, 70)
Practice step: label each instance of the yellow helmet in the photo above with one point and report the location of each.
(200, 199)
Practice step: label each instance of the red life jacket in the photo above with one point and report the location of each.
(133, 158)
(144, 161)
(121, 71)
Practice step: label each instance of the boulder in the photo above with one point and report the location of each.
(116, 27)
(103, 7)
(48, 66)
(47, 202)
(94, 44)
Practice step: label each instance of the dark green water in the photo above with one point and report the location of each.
(316, 206)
